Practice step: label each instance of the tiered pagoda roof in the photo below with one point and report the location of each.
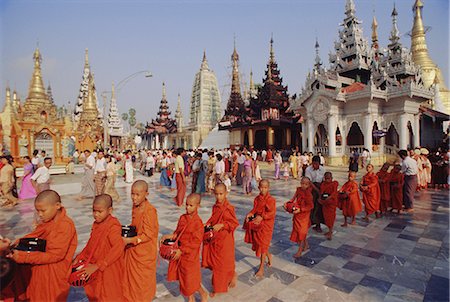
(163, 124)
(115, 126)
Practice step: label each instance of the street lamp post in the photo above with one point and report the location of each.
(121, 84)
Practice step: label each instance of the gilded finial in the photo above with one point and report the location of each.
(86, 57)
(113, 90)
(374, 30)
(164, 90)
(395, 33)
(204, 65)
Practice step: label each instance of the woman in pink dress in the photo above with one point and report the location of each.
(27, 190)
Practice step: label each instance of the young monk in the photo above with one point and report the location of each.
(396, 183)
(218, 254)
(49, 269)
(329, 204)
(301, 220)
(371, 193)
(107, 259)
(139, 280)
(352, 203)
(264, 210)
(384, 180)
(185, 264)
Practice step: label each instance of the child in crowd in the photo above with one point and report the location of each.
(285, 171)
(185, 264)
(350, 203)
(211, 182)
(385, 188)
(263, 214)
(301, 220)
(139, 280)
(106, 247)
(218, 253)
(371, 193)
(328, 200)
(111, 176)
(227, 182)
(396, 186)
(49, 269)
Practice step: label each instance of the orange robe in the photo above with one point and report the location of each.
(371, 197)
(396, 182)
(218, 255)
(352, 205)
(51, 269)
(385, 188)
(302, 221)
(329, 205)
(106, 241)
(139, 281)
(187, 268)
(260, 239)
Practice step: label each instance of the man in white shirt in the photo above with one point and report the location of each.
(263, 155)
(410, 170)
(149, 164)
(180, 177)
(315, 173)
(87, 184)
(240, 161)
(41, 178)
(100, 173)
(254, 154)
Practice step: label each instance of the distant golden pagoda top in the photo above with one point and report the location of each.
(36, 89)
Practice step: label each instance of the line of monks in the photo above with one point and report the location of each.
(124, 269)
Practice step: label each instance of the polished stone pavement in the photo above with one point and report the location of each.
(394, 258)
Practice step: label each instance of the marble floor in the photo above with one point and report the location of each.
(394, 258)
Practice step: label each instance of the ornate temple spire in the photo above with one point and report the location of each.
(252, 88)
(164, 112)
(49, 93)
(204, 65)
(179, 115)
(37, 90)
(86, 58)
(272, 53)
(235, 82)
(395, 33)
(8, 102)
(317, 62)
(350, 8)
(374, 31)
(115, 124)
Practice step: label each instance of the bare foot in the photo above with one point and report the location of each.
(353, 222)
(344, 225)
(212, 294)
(260, 273)
(233, 281)
(203, 295)
(298, 254)
(269, 260)
(306, 246)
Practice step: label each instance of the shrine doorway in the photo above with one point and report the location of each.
(278, 139)
(246, 139)
(321, 138)
(260, 142)
(44, 141)
(392, 137)
(355, 136)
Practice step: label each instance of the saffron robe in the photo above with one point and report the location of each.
(50, 270)
(329, 205)
(302, 221)
(371, 197)
(264, 206)
(218, 255)
(106, 240)
(187, 268)
(352, 205)
(396, 182)
(139, 281)
(385, 189)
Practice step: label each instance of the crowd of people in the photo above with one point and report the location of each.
(115, 268)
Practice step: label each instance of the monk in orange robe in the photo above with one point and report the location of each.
(371, 193)
(301, 220)
(351, 203)
(218, 254)
(50, 269)
(396, 182)
(185, 264)
(139, 280)
(106, 247)
(263, 212)
(385, 187)
(328, 200)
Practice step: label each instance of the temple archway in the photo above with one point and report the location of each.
(321, 138)
(338, 137)
(260, 139)
(392, 137)
(246, 139)
(375, 136)
(410, 136)
(44, 142)
(355, 136)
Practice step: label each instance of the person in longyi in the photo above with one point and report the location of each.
(351, 202)
(384, 179)
(139, 278)
(263, 212)
(396, 186)
(50, 269)
(329, 202)
(185, 264)
(106, 246)
(218, 254)
(371, 193)
(301, 220)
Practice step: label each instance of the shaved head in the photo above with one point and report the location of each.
(265, 181)
(194, 197)
(141, 185)
(327, 174)
(104, 199)
(48, 196)
(221, 185)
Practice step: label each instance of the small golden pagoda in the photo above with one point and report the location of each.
(88, 124)
(35, 124)
(431, 73)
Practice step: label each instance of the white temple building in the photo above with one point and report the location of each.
(115, 125)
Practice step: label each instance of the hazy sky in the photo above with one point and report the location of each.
(168, 38)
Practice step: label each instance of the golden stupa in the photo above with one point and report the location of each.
(430, 71)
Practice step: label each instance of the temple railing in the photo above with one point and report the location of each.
(323, 150)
